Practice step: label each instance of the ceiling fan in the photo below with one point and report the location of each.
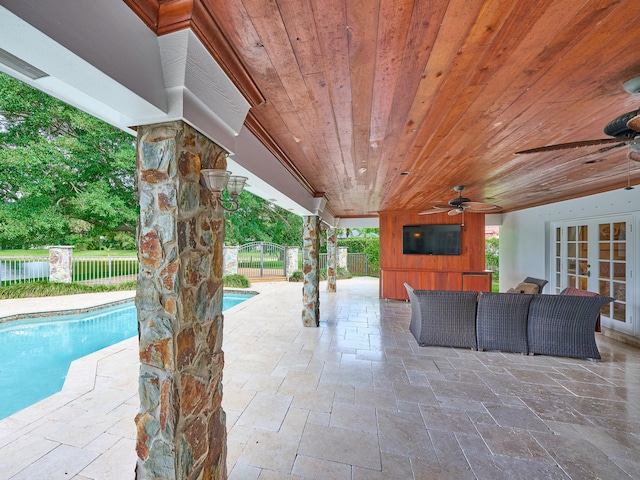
(461, 204)
(624, 130)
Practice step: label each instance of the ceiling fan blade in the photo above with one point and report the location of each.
(433, 210)
(480, 206)
(568, 146)
(455, 211)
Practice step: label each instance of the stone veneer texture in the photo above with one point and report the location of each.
(181, 424)
(332, 240)
(311, 284)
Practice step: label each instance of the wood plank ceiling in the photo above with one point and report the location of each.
(351, 93)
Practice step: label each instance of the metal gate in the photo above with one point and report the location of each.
(262, 259)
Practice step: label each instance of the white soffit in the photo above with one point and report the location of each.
(79, 81)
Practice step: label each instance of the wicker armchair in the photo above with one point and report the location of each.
(443, 317)
(563, 325)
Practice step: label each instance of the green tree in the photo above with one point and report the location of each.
(63, 173)
(258, 220)
(492, 248)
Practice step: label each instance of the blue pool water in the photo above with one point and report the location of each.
(35, 354)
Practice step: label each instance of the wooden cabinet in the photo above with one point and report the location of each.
(431, 272)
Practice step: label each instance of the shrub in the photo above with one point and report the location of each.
(236, 281)
(296, 276)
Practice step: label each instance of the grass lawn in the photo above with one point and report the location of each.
(43, 252)
(46, 289)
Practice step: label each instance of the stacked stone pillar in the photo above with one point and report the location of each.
(311, 284)
(181, 424)
(343, 257)
(61, 264)
(230, 260)
(332, 240)
(291, 256)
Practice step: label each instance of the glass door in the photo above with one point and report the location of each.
(595, 255)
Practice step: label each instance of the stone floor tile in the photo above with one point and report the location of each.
(579, 458)
(266, 411)
(318, 469)
(404, 434)
(270, 450)
(497, 467)
(428, 470)
(64, 461)
(517, 417)
(350, 417)
(115, 463)
(352, 386)
(516, 443)
(244, 472)
(341, 445)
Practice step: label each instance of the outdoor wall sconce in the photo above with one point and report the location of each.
(216, 180)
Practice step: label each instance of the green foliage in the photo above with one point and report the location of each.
(64, 175)
(341, 274)
(297, 276)
(492, 250)
(369, 243)
(258, 220)
(47, 289)
(236, 281)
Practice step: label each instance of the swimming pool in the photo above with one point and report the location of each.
(35, 354)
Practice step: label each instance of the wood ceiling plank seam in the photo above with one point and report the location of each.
(288, 92)
(513, 67)
(532, 93)
(573, 111)
(299, 22)
(484, 31)
(317, 87)
(362, 24)
(313, 118)
(330, 22)
(446, 110)
(458, 18)
(423, 29)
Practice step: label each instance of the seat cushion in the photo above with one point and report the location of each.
(502, 321)
(530, 288)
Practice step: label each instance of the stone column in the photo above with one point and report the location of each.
(60, 264)
(291, 254)
(230, 260)
(331, 260)
(311, 285)
(342, 257)
(181, 424)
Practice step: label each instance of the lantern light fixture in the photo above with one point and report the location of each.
(216, 180)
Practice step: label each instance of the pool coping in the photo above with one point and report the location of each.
(92, 308)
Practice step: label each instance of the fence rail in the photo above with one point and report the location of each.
(115, 270)
(88, 270)
(23, 269)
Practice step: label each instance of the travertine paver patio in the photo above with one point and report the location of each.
(354, 399)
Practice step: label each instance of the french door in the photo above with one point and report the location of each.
(596, 255)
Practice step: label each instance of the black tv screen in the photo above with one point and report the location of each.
(431, 239)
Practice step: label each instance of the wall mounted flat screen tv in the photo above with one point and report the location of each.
(431, 239)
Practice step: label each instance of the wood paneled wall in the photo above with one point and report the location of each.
(428, 272)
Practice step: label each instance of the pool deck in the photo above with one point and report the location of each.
(355, 399)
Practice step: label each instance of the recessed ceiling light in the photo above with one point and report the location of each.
(406, 173)
(596, 160)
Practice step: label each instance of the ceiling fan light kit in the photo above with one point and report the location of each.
(632, 86)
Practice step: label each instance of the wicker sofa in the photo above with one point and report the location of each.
(559, 325)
